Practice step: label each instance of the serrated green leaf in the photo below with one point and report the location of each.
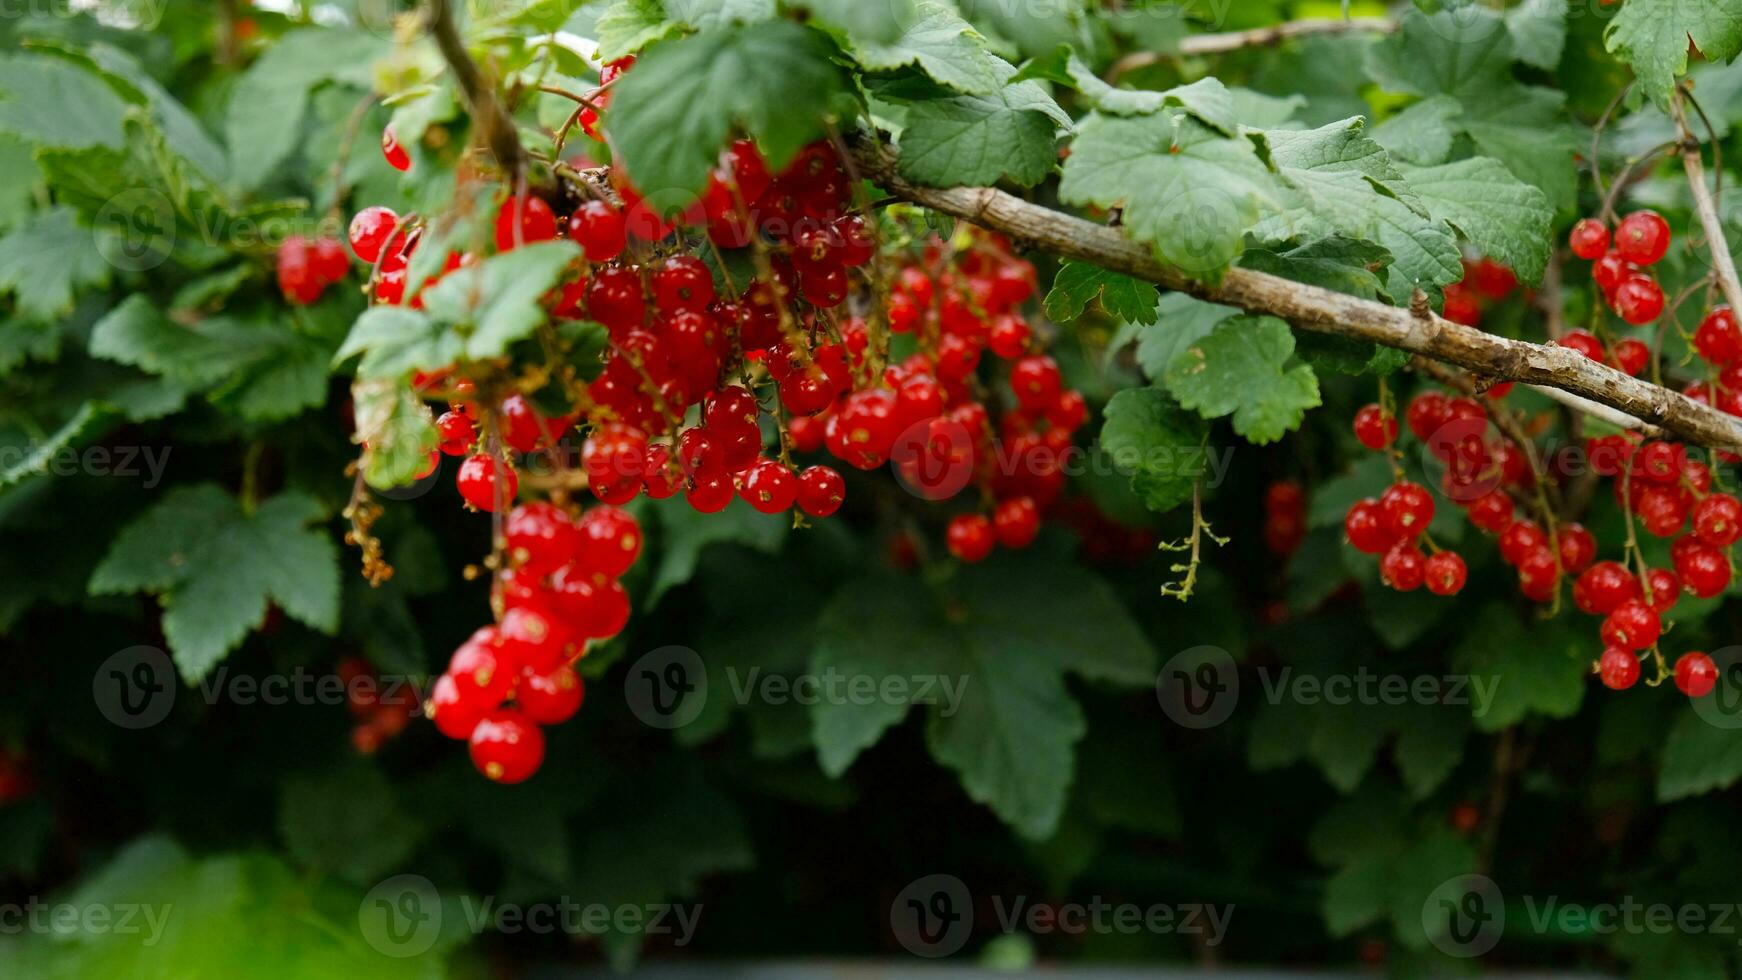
(1541, 668)
(674, 113)
(707, 15)
(1013, 628)
(397, 430)
(943, 45)
(1430, 744)
(48, 258)
(498, 301)
(1421, 134)
(196, 355)
(1698, 757)
(627, 26)
(54, 103)
(396, 341)
(1343, 264)
(1080, 283)
(1653, 37)
(215, 568)
(1505, 218)
(684, 533)
(1466, 54)
(1157, 443)
(1242, 369)
(1181, 321)
(969, 140)
(1539, 32)
(1186, 190)
(90, 416)
(264, 122)
(359, 842)
(875, 23)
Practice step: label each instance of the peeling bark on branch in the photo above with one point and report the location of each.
(1322, 310)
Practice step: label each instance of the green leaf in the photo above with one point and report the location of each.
(1421, 134)
(498, 301)
(1343, 264)
(216, 567)
(1207, 99)
(943, 45)
(47, 259)
(684, 533)
(1527, 130)
(366, 838)
(1149, 436)
(1080, 283)
(398, 429)
(1185, 189)
(1698, 756)
(1541, 668)
(1653, 36)
(1242, 369)
(1430, 744)
(864, 23)
(969, 140)
(1466, 54)
(1539, 32)
(1505, 218)
(197, 355)
(52, 102)
(1007, 635)
(264, 121)
(673, 114)
(627, 26)
(396, 341)
(707, 15)
(88, 419)
(1181, 321)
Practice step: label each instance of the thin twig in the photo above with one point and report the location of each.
(1207, 44)
(495, 125)
(1706, 206)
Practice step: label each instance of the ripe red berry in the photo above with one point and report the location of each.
(970, 537)
(1427, 412)
(523, 221)
(1718, 520)
(1408, 508)
(1374, 428)
(1618, 669)
(1016, 522)
(532, 638)
(1639, 299)
(507, 747)
(1695, 674)
(1461, 307)
(550, 698)
(1603, 587)
(1610, 270)
(1642, 237)
(1366, 527)
(1403, 566)
(1632, 625)
(1718, 339)
(609, 541)
(370, 230)
(477, 481)
(1662, 511)
(540, 537)
(616, 299)
(1520, 539)
(1666, 588)
(599, 229)
(329, 261)
(1704, 571)
(1446, 573)
(1590, 239)
(1660, 462)
(454, 711)
(770, 487)
(1008, 337)
(1491, 512)
(1631, 356)
(1578, 547)
(478, 668)
(396, 156)
(1539, 575)
(1584, 342)
(594, 605)
(1035, 380)
(710, 492)
(683, 282)
(821, 490)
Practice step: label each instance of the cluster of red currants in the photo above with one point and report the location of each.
(1641, 240)
(1484, 279)
(1718, 341)
(381, 711)
(560, 591)
(306, 268)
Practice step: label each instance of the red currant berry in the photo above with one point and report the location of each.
(710, 492)
(1661, 462)
(1642, 237)
(507, 747)
(1578, 547)
(1374, 428)
(1603, 587)
(1590, 239)
(821, 491)
(1016, 522)
(770, 487)
(370, 230)
(532, 638)
(1618, 669)
(970, 537)
(1632, 625)
(1426, 414)
(609, 541)
(478, 668)
(396, 156)
(540, 537)
(683, 282)
(1610, 270)
(1009, 336)
(1460, 306)
(1666, 588)
(594, 605)
(1718, 520)
(1520, 539)
(1695, 674)
(1704, 571)
(455, 714)
(1539, 575)
(1446, 573)
(523, 221)
(1584, 342)
(599, 229)
(1409, 509)
(1035, 380)
(1403, 567)
(1718, 339)
(1631, 357)
(1367, 529)
(615, 298)
(551, 698)
(479, 478)
(1662, 511)
(1639, 299)
(1492, 512)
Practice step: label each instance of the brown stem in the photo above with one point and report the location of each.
(1206, 44)
(495, 125)
(1321, 310)
(1706, 206)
